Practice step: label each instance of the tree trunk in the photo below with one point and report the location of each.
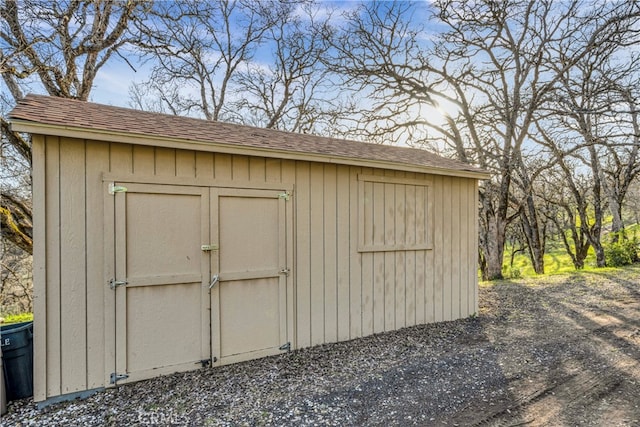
(531, 230)
(493, 247)
(617, 226)
(599, 249)
(15, 223)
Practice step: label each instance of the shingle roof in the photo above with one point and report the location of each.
(69, 113)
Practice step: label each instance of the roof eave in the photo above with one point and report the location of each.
(19, 125)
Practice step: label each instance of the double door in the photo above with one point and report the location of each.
(201, 277)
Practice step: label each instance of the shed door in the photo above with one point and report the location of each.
(249, 302)
(162, 321)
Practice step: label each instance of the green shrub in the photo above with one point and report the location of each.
(17, 318)
(622, 252)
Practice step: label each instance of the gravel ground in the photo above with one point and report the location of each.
(563, 350)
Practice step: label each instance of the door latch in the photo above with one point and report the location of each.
(113, 189)
(214, 280)
(113, 283)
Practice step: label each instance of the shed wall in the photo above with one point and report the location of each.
(342, 290)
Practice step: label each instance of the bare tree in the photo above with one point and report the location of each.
(197, 47)
(15, 280)
(57, 48)
(622, 164)
(631, 208)
(288, 91)
(488, 73)
(592, 119)
(561, 211)
(249, 62)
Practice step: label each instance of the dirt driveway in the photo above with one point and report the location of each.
(560, 351)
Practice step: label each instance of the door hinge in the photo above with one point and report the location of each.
(209, 247)
(285, 271)
(117, 377)
(286, 195)
(286, 347)
(113, 283)
(113, 189)
(207, 362)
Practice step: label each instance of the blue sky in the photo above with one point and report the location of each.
(113, 81)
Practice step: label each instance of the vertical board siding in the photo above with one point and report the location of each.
(415, 290)
(285, 171)
(303, 255)
(401, 208)
(367, 285)
(456, 256)
(121, 162)
(390, 265)
(343, 258)
(378, 257)
(339, 292)
(143, 160)
(73, 308)
(222, 167)
(317, 296)
(39, 270)
(54, 326)
(274, 171)
(423, 276)
(240, 168)
(330, 246)
(463, 305)
(97, 159)
(447, 259)
(438, 251)
(257, 169)
(121, 158)
(165, 161)
(185, 163)
(473, 244)
(204, 165)
(356, 303)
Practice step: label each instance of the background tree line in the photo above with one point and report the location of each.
(544, 94)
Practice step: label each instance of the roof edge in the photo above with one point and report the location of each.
(28, 126)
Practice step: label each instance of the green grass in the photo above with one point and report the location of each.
(17, 318)
(556, 259)
(633, 229)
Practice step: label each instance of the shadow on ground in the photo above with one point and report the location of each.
(559, 351)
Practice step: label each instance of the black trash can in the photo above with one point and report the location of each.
(17, 359)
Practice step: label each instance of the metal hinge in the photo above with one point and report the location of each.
(113, 283)
(113, 189)
(207, 362)
(286, 195)
(285, 271)
(209, 247)
(286, 347)
(117, 377)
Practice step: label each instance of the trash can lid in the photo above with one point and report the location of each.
(15, 327)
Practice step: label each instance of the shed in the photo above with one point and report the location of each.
(165, 243)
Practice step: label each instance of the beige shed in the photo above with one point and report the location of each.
(167, 243)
